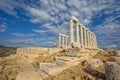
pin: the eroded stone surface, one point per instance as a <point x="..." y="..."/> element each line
<point x="93" y="62"/>
<point x="52" y="68"/>
<point x="112" y="71"/>
<point x="69" y="61"/>
<point x="117" y="53"/>
<point x="27" y="71"/>
<point x="114" y="58"/>
<point x="28" y="75"/>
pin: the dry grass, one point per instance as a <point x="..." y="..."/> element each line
<point x="9" y="70"/>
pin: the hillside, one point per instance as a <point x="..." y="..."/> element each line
<point x="6" y="51"/>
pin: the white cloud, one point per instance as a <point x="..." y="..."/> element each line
<point x="41" y="32"/>
<point x="53" y="16"/>
<point x="23" y="35"/>
<point x="19" y="42"/>
<point x="39" y="16"/>
<point x="3" y="27"/>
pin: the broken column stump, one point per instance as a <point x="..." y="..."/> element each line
<point x="112" y="71"/>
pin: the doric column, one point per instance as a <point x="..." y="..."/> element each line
<point x="62" y="40"/>
<point x="96" y="41"/>
<point x="66" y="40"/>
<point x="81" y="35"/>
<point x="84" y="37"/>
<point x="58" y="39"/>
<point x="91" y="40"/>
<point x="88" y="39"/>
<point x="71" y="31"/>
<point x="77" y="32"/>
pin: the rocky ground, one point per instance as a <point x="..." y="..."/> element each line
<point x="9" y="68"/>
<point x="81" y="72"/>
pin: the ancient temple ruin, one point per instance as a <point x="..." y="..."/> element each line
<point x="80" y="45"/>
<point x="83" y="37"/>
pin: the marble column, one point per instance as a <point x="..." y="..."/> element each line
<point x="71" y="31"/>
<point x="91" y="40"/>
<point x="84" y="37"/>
<point x="59" y="40"/>
<point x="62" y="40"/>
<point x="96" y="41"/>
<point x="88" y="39"/>
<point x="77" y="32"/>
<point x="66" y="40"/>
<point x="81" y="35"/>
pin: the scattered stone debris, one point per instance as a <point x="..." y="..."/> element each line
<point x="93" y="63"/>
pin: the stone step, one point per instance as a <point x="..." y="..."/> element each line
<point x="43" y="74"/>
<point x="69" y="61"/>
<point x="28" y="75"/>
<point x="52" y="68"/>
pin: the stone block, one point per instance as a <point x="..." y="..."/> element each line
<point x="93" y="63"/>
<point x="52" y="68"/>
<point x="28" y="75"/>
<point x="69" y="61"/>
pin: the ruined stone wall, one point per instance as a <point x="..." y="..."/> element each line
<point x="54" y="50"/>
<point x="31" y="54"/>
<point x="32" y="50"/>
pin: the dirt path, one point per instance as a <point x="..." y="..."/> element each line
<point x="27" y="71"/>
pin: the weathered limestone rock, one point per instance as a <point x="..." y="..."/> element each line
<point x="112" y="71"/>
<point x="117" y="53"/>
<point x="104" y="52"/>
<point x="32" y="53"/>
<point x="28" y="75"/>
<point x="76" y="45"/>
<point x="93" y="63"/>
<point x="114" y="58"/>
<point x="69" y="61"/>
<point x="73" y="52"/>
<point x="52" y="68"/>
<point x="1" y="67"/>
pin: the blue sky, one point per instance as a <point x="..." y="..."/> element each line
<point x="38" y="22"/>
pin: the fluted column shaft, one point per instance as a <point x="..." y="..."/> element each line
<point x="77" y="32"/>
<point x="85" y="42"/>
<point x="59" y="40"/>
<point x="62" y="40"/>
<point x="81" y="35"/>
<point x="71" y="31"/>
<point x="66" y="41"/>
